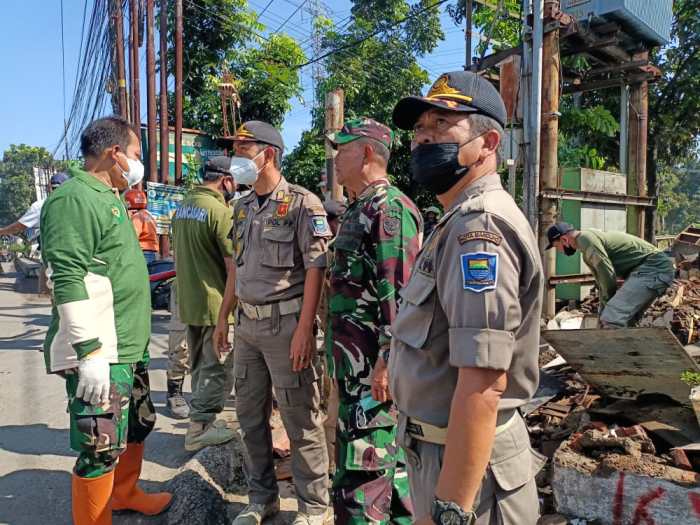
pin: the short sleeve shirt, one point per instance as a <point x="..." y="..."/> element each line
<point x="30" y="219"/>
<point x="276" y="242"/>
<point x="200" y="234"/>
<point x="473" y="300"/>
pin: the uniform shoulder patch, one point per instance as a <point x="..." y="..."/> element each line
<point x="493" y="238"/>
<point x="320" y="227"/>
<point x="316" y="209"/>
<point x="391" y="225"/>
<point x="479" y="271"/>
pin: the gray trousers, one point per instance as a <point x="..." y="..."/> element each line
<point x="178" y="355"/>
<point x="641" y="288"/>
<point x="508" y="493"/>
<point x="212" y="380"/>
<point x="262" y="362"/>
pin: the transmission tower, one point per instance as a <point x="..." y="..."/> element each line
<point x="316" y="9"/>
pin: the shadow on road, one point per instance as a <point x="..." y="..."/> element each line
<point x="35" y="496"/>
<point x="162" y="448"/>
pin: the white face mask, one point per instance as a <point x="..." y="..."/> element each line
<point x="134" y="175"/>
<point x="244" y="170"/>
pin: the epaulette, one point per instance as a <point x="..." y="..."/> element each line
<point x="475" y="203"/>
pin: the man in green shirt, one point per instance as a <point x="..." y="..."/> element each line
<point x="202" y="260"/>
<point x="101" y="324"/>
<point x="609" y="255"/>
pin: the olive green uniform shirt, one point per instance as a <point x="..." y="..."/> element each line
<point x="616" y="254"/>
<point x="200" y="232"/>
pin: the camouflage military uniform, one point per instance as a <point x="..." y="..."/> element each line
<point x="100" y="433"/>
<point x="374" y="251"/>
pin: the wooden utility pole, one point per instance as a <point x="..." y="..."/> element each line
<point x="468" y="36"/>
<point x="163" y="121"/>
<point x="335" y="102"/>
<point x="178" y="91"/>
<point x="134" y="64"/>
<point x="637" y="159"/>
<point x="121" y="72"/>
<point x="163" y="124"/>
<point x="151" y="90"/>
<point x="549" y="166"/>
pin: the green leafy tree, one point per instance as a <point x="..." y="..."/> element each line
<point x="225" y="36"/>
<point x="374" y="60"/>
<point x="17" y="179"/>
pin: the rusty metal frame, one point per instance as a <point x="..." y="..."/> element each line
<point x="598" y="197"/>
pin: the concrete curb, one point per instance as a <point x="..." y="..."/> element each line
<point x="201" y="485"/>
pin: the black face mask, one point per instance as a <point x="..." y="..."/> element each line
<point x="228" y="195"/>
<point x="568" y="250"/>
<point x="436" y="166"/>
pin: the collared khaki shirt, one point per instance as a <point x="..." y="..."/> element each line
<point x="473" y="300"/>
<point x="275" y="244"/>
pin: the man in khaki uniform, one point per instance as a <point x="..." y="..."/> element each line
<point x="203" y="258"/>
<point x="466" y="337"/>
<point x="280" y="235"/>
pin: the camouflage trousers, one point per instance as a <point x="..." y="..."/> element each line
<point x="371" y="481"/>
<point x="178" y="353"/>
<point x="100" y="433"/>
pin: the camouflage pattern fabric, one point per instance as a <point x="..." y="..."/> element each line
<point x="375" y="249"/>
<point x="100" y="433"/>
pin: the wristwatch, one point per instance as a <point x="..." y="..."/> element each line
<point x="384" y="353"/>
<point x="449" y="513"/>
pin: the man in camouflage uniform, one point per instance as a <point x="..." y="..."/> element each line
<point x="375" y="248"/>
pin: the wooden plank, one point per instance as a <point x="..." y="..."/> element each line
<point x="626" y="362"/>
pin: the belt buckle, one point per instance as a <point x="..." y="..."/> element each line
<point x="414" y="428"/>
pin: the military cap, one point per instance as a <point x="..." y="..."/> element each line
<point x="363" y="127"/>
<point x="459" y="91"/>
<point x="257" y="131"/>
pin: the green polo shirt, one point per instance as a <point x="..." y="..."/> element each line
<point x="97" y="275"/>
<point x="616" y="254"/>
<point x="201" y="226"/>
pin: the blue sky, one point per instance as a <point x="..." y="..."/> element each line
<point x="31" y="97"/>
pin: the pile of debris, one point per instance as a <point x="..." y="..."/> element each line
<point x="678" y="309"/>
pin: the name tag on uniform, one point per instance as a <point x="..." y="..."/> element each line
<point x="479" y="271"/>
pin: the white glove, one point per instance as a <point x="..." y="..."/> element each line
<point x="93" y="380"/>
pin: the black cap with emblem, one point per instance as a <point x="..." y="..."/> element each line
<point x="257" y="131"/>
<point x="217" y="167"/>
<point x="460" y="91"/>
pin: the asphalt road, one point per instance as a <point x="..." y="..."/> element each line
<point x="35" y="457"/>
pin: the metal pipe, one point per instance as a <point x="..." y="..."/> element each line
<point x="163" y="124"/>
<point x="178" y="91"/>
<point x="151" y="90"/>
<point x="121" y="73"/>
<point x="624" y="128"/>
<point x="536" y="110"/>
<point x="525" y="90"/>
<point x="134" y="65"/>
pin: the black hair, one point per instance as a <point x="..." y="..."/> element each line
<point x="104" y="133"/>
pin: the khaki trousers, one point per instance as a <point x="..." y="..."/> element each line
<point x="508" y="494"/>
<point x="261" y="362"/>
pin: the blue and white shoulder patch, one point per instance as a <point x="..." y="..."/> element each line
<point x="319" y="224"/>
<point x="479" y="271"/>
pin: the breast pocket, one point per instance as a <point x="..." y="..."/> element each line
<point x="278" y="247"/>
<point x="416" y="310"/>
<point x="348" y="246"/>
<point x="238" y="238"/>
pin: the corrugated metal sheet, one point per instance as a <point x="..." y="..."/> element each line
<point x="649" y="20"/>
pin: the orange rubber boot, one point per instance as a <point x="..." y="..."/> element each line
<point x="91" y="500"/>
<point x="126" y="494"/>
